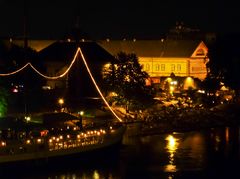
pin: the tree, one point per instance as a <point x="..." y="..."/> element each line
<point x="126" y="78"/>
<point x="3" y="101"/>
<point x="210" y="84"/>
<point x="224" y="61"/>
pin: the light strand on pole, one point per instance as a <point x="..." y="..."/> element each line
<point x="94" y="82"/>
<point x="45" y="76"/>
<point x="60" y="76"/>
<point x="14" y="72"/>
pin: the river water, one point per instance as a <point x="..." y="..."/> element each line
<point x="213" y="153"/>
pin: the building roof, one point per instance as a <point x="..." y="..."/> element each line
<point x="63" y="51"/>
<point x="152" y="48"/>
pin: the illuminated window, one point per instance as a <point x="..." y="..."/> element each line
<point x="200" y="52"/>
<point x="172" y="67"/>
<point x="147" y="67"/>
<point x="157" y="67"/>
<point x="162" y="67"/>
<point x="178" y="67"/>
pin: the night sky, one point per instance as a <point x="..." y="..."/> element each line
<point x="115" y="19"/>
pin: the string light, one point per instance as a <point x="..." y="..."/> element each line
<point x="44" y="76"/>
<point x="64" y="73"/>
<point x="60" y="76"/>
<point x="14" y="72"/>
<point x="98" y="89"/>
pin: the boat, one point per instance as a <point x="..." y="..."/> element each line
<point x="56" y="142"/>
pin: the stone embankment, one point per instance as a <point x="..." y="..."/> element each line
<point x="172" y="119"/>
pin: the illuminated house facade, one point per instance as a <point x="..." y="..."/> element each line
<point x="163" y="58"/>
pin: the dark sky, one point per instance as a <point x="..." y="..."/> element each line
<point x="115" y="18"/>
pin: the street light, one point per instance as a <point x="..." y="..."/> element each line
<point x="61" y="102"/>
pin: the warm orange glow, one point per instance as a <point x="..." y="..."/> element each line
<point x="107" y="65"/>
<point x="96" y="175"/>
<point x="171" y="88"/>
<point x="61" y="101"/>
<point x="3" y="143"/>
<point x="169" y="79"/>
<point x="172" y="146"/>
<point x="28" y="141"/>
<point x="188" y="83"/>
<point x="227" y="134"/>
<point x="172" y="143"/>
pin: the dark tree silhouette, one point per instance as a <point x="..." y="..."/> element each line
<point x="128" y="80"/>
<point x="224" y="61"/>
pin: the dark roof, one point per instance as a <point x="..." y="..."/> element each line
<point x="79" y="81"/>
<point x="62" y="51"/>
<point x="152" y="48"/>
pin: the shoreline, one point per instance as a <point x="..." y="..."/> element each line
<point x="186" y="120"/>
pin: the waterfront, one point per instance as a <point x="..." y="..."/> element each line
<point x="213" y="153"/>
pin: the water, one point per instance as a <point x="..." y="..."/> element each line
<point x="213" y="153"/>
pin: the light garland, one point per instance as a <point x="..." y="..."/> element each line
<point x="98" y="89"/>
<point x="14" y="72"/>
<point x="44" y="76"/>
<point x="64" y="73"/>
<point x="59" y="76"/>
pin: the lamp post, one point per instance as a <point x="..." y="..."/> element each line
<point x="61" y="102"/>
<point x="79" y="124"/>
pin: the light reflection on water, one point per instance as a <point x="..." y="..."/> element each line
<point x="171" y="148"/>
<point x="212" y="153"/>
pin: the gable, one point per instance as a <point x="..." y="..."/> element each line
<point x="201" y="51"/>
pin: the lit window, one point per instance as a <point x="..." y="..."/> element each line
<point x="147" y="67"/>
<point x="162" y="67"/>
<point x="172" y="67"/>
<point x="157" y="67"/>
<point x="178" y="67"/>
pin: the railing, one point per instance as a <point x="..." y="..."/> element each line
<point x="81" y="140"/>
<point x="55" y="142"/>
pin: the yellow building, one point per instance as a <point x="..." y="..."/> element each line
<point x="161" y="58"/>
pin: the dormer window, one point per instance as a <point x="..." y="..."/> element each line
<point x="200" y="52"/>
